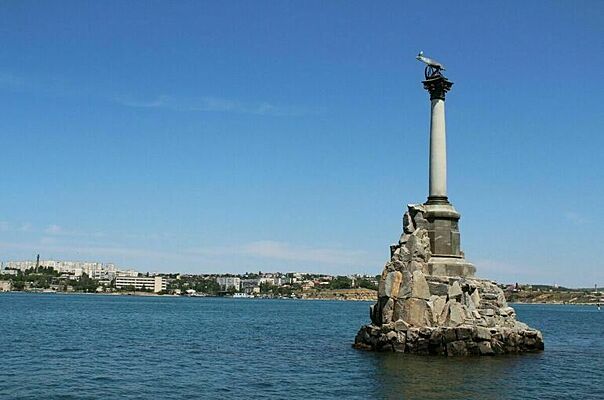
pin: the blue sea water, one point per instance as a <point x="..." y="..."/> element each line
<point x="108" y="347"/>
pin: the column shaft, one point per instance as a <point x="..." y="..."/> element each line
<point x="438" y="150"/>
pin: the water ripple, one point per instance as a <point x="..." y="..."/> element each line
<point x="98" y="347"/>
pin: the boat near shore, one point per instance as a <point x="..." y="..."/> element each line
<point x="243" y="296"/>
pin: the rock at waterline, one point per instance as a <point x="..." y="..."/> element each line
<point x="417" y="312"/>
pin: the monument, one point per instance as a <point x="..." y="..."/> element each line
<point x="429" y="300"/>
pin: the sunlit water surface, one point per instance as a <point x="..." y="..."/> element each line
<point x="105" y="347"/>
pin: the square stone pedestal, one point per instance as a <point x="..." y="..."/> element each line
<point x="443" y="231"/>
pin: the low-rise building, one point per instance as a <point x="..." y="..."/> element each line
<point x="155" y="283"/>
<point x="267" y="281"/>
<point x="9" y="272"/>
<point x="249" y="285"/>
<point x="228" y="282"/>
<point x="6" y="286"/>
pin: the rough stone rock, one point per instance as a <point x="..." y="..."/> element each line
<point x="399" y="344"/>
<point x="463" y="332"/>
<point x="419" y="245"/>
<point x="382" y="285"/>
<point x="405" y="286"/>
<point x="384" y="346"/>
<point x="413" y="243"/>
<point x="393" y="283"/>
<point x="507" y="311"/>
<point x="387" y="311"/>
<point x="408" y="225"/>
<point x="377" y="310"/>
<point x="418" y="212"/>
<point x="399" y="265"/>
<point x="455" y="291"/>
<point x="425" y="253"/>
<point x="373" y="330"/>
<point x="425" y="331"/>
<point x="487" y="312"/>
<point x="436" y="344"/>
<point x="438" y="288"/>
<point x="449" y="335"/>
<point x="438" y="305"/>
<point x="468" y="302"/>
<point x="391" y="336"/>
<point x="419" y="287"/>
<point x="436" y="336"/>
<point x="401" y="326"/>
<point x="481" y="333"/>
<point x="485" y="348"/>
<point x="465" y="340"/>
<point x="490" y="296"/>
<point x="457" y="314"/>
<point x="385" y="328"/>
<point x="437" y="278"/>
<point x="404" y="255"/>
<point x="457" y="348"/>
<point x="415" y="265"/>
<point x="422" y="346"/>
<point x="476" y="298"/>
<point x="395" y="250"/>
<point x="501" y="299"/>
<point x="412" y="334"/>
<point x="472" y="348"/>
<point x="420" y="221"/>
<point x="444" y="314"/>
<point x="416" y="312"/>
<point x="398" y="309"/>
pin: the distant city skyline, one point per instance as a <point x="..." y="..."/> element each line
<point x="210" y="137"/>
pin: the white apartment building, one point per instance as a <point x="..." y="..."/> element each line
<point x="227" y="282"/>
<point x="94" y="270"/>
<point x="157" y="283"/>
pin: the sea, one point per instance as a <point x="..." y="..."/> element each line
<point x="70" y="346"/>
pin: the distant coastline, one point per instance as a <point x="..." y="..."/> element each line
<point x="368" y="295"/>
<point x="336" y="294"/>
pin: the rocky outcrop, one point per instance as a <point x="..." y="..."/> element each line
<point x="459" y="341"/>
<point x="359" y="294"/>
<point x="421" y="313"/>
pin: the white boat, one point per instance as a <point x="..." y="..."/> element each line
<point x="243" y="296"/>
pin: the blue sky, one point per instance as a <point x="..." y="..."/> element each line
<point x="280" y="135"/>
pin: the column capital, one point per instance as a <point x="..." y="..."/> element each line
<point x="437" y="86"/>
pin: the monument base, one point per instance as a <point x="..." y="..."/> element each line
<point x="459" y="341"/>
<point x="432" y="304"/>
<point x="442" y="224"/>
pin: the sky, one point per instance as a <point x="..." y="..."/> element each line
<point x="233" y="136"/>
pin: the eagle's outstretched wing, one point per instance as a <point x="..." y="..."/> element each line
<point x="429" y="61"/>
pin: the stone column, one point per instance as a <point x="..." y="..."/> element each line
<point x="442" y="218"/>
<point x="438" y="87"/>
<point x="438" y="151"/>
